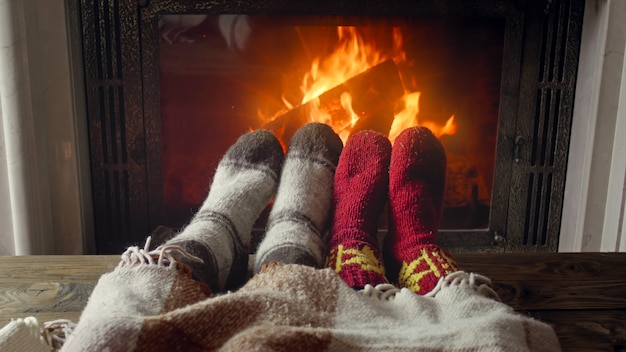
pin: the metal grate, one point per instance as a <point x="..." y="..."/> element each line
<point x="113" y="170"/>
<point x="547" y="128"/>
<point x="111" y="126"/>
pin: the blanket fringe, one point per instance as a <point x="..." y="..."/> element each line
<point x="33" y="327"/>
<point x="56" y="332"/>
<point x="480" y="284"/>
<point x="162" y="256"/>
<point x="382" y="292"/>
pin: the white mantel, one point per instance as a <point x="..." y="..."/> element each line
<point x="595" y="198"/>
<point x="45" y="133"/>
<point x="45" y="204"/>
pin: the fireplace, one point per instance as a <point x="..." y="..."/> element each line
<point x="163" y="75"/>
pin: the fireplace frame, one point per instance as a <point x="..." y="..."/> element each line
<point x="120" y="49"/>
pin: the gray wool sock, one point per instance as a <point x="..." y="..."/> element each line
<point x="300" y="213"/>
<point x="245" y="180"/>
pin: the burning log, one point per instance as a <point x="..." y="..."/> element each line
<point x="372" y="95"/>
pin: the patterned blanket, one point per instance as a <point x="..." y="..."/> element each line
<point x="152" y="304"/>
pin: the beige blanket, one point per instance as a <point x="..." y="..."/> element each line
<point x="154" y="305"/>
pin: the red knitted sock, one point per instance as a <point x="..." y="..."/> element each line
<point x="360" y="194"/>
<point x="417" y="176"/>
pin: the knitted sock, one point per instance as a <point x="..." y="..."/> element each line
<point x="360" y="195"/>
<point x="245" y="180"/>
<point x="416" y="187"/>
<point x="300" y="213"/>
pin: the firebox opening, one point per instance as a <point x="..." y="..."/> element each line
<point x="223" y="75"/>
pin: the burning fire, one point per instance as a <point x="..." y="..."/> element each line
<point x="351" y="57"/>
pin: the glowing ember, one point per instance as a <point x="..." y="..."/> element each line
<point x="352" y="56"/>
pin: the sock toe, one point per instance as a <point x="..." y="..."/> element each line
<point x="317" y="139"/>
<point x="258" y="147"/>
<point x="418" y="154"/>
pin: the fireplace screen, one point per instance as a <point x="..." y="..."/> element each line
<point x="172" y="84"/>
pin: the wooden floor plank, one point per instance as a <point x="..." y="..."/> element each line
<point x="546" y="266"/>
<point x="44" y="297"/>
<point x="587" y="330"/>
<point x="62" y="268"/>
<point x="562" y="294"/>
<point x="49" y="287"/>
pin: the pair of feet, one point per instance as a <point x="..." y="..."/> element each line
<point x="252" y="172"/>
<point x="409" y="178"/>
<point x="314" y="185"/>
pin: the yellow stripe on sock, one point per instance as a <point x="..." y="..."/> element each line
<point x="364" y="258"/>
<point x="410" y="276"/>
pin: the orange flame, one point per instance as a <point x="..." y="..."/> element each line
<point x="352" y="56"/>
